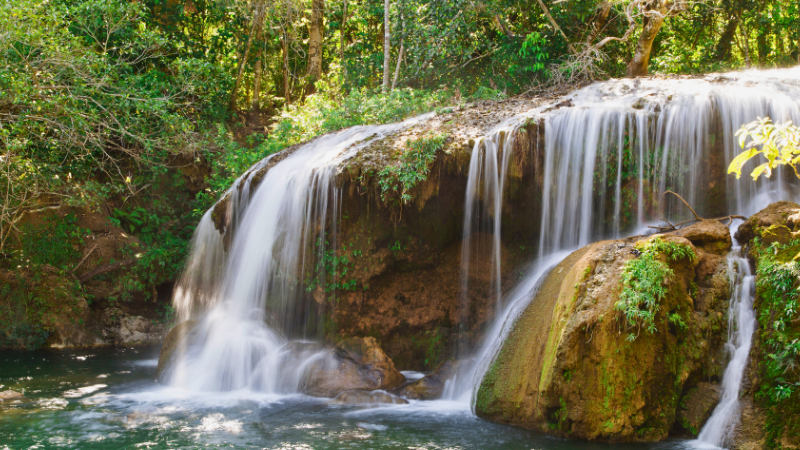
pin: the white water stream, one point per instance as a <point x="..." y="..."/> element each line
<point x="279" y="233"/>
<point x="609" y="155"/>
<point x="742" y="324"/>
<point x="644" y="136"/>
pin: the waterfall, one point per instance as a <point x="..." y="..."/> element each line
<point x="613" y="148"/>
<point x="741" y="326"/>
<point x="247" y="292"/>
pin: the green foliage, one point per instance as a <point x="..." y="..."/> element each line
<point x="413" y="168"/>
<point x="54" y="242"/>
<point x="644" y="282"/>
<point x="332" y="269"/>
<point x="780" y="144"/>
<point x="779" y="291"/>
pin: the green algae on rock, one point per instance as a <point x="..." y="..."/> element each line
<point x="567" y="367"/>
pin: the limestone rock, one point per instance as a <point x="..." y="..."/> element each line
<point x="333" y="370"/>
<point x="569" y="367"/>
<point x="710" y="235"/>
<point x="369" y="353"/>
<point x="697" y="406"/>
<point x="779" y="213"/>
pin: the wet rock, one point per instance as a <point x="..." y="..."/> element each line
<point x="11" y="395"/>
<point x="332" y="370"/>
<point x="778" y="213"/>
<point x="368" y="398"/>
<point x="174" y="344"/>
<point x="121" y="329"/>
<point x="697" y="406"/>
<point x="572" y="367"/>
<point x="710" y="235"/>
<point x="431" y="386"/>
<point x="367" y="351"/>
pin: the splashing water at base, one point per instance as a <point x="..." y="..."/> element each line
<point x="281" y="231"/>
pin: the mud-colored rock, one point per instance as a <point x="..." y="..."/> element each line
<point x="777" y="213"/>
<point x="368" y="398"/>
<point x="571" y="366"/>
<point x="697" y="406"/>
<point x="10" y="395"/>
<point x="174" y="345"/>
<point x="369" y="353"/>
<point x="709" y="235"/>
<point x="333" y="370"/>
<point x="431" y="386"/>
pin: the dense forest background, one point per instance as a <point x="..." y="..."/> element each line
<point x="107" y="103"/>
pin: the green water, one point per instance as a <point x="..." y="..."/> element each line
<point x="108" y="399"/>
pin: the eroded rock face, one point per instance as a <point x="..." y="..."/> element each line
<point x="121" y="329"/>
<point x="775" y="223"/>
<point x="569" y="366"/>
<point x="697" y="406"/>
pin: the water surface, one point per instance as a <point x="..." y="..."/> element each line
<point x="108" y="399"/>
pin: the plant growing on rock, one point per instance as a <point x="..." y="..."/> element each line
<point x="413" y="166"/>
<point x="644" y="283"/>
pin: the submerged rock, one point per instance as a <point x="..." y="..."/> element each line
<point x="11" y="395"/>
<point x="368" y="398"/>
<point x="431" y="386"/>
<point x="571" y="366"/>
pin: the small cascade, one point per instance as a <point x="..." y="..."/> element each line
<point x="614" y="148"/>
<point x="488" y="170"/>
<point x="741" y="326"/>
<point x="247" y="291"/>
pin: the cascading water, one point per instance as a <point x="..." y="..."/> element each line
<point x="614" y="150"/>
<point x="280" y="219"/>
<point x="741" y="326"/>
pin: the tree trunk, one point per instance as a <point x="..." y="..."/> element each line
<point x="257" y="72"/>
<point x="724" y="47"/>
<point x="342" y="40"/>
<point x="400" y="55"/>
<point x="763" y="44"/>
<point x="287" y="89"/>
<point x="641" y="57"/>
<point x="256" y="26"/>
<point x="315" y="29"/>
<point x="387" y="46"/>
<point x="746" y="45"/>
<point x="555" y="25"/>
<point x="599" y="22"/>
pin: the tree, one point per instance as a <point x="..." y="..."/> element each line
<point x="315" y="36"/>
<point x="780" y="144"/>
<point x="387" y="46"/>
<point x="653" y="12"/>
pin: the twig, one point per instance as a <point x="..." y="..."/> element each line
<point x="91" y="250"/>
<point x="685" y="203"/>
<point x="106" y="268"/>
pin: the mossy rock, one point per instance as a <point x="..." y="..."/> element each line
<point x="569" y="367"/>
